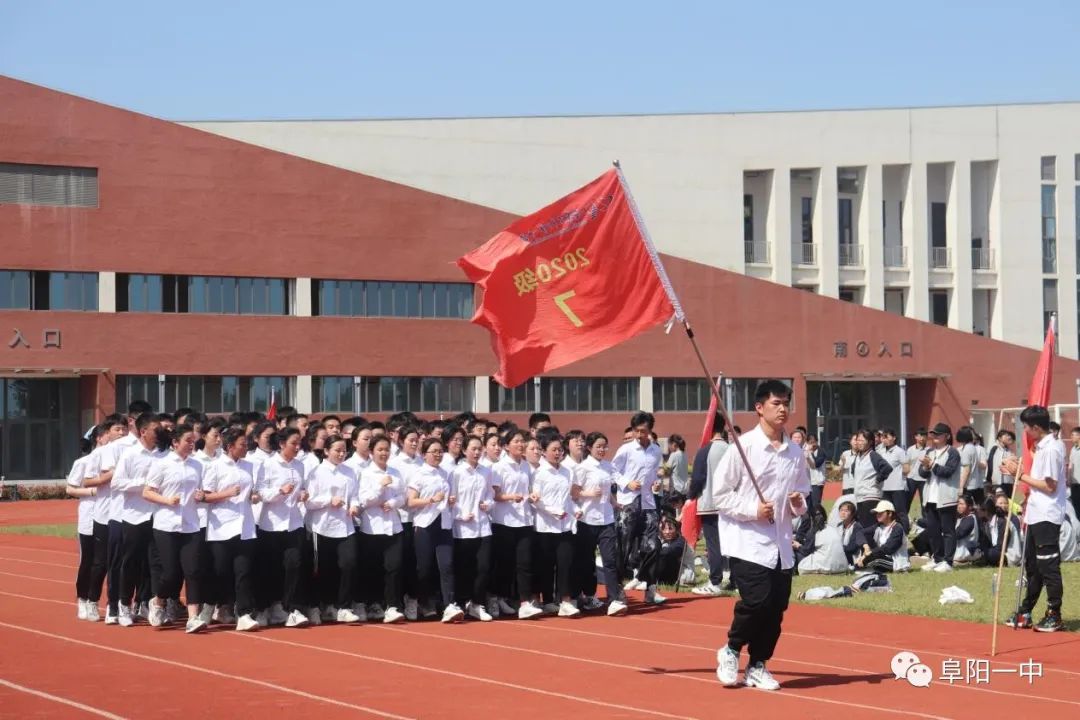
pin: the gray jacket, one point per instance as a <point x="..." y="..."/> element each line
<point x="706" y="502"/>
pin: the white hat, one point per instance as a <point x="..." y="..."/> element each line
<point x="884" y="506"/>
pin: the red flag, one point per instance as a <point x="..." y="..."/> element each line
<point x="567" y="282"/>
<point x="1039" y="393"/>
<point x="710" y="415"/>
<point x="691" y="522"/>
<point x="271" y="414"/>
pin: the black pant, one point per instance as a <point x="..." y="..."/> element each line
<point x="763" y="598"/>
<point x="135" y="573"/>
<point x="639" y="536"/>
<point x="587" y="540"/>
<point x="211" y="584"/>
<point x="307" y="591"/>
<point x="864" y="514"/>
<point x="434" y="547"/>
<point x="336" y="565"/>
<point x="710" y="528"/>
<point x="514" y="548"/>
<point x="816" y="493"/>
<point x="279" y="565"/>
<point x="915" y="486"/>
<point x="556" y="559"/>
<point x="409" y="575"/>
<point x="115" y="563"/>
<point x="1042" y="566"/>
<point x="234" y="566"/>
<point x="472" y="568"/>
<point x="100" y="565"/>
<point x="899" y="499"/>
<point x="941" y="531"/>
<point x="383" y="556"/>
<point x="1074" y="497"/>
<point x="86" y="567"/>
<point x="181" y="556"/>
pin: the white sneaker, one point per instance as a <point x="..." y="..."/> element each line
<point x="80" y="609"/>
<point x="506" y="608"/>
<point x="263" y="618"/>
<point x="634" y="584"/>
<point x="296" y="619"/>
<point x="727" y="666"/>
<point x="375" y="613"/>
<point x="195" y="624"/>
<point x="493" y="607"/>
<point x="392" y="616"/>
<point x="568" y="609"/>
<point x="410" y="609"/>
<point x="550" y="608"/>
<point x="617" y="607"/>
<point x="708" y="589"/>
<point x="528" y="611"/>
<point x="278" y="616"/>
<point x="224" y="615"/>
<point x="452" y="614"/>
<point x="206" y="613"/>
<point x="144" y="612"/>
<point x="478" y="612"/>
<point x="654" y="598"/>
<point x="929" y="567"/>
<point x="345" y="615"/>
<point x="92" y="613"/>
<point x="943" y="567"/>
<point x="111" y="619"/>
<point x="173" y="610"/>
<point x="757" y="676"/>
<point x="246" y="623"/>
<point x="157" y="616"/>
<point x="313" y="615"/>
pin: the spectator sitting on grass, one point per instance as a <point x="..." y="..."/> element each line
<point x="998" y="510"/>
<point x="804" y="542"/>
<point x="967" y="532"/>
<point x="851" y="533"/>
<point x="889" y="552"/>
<point x="672" y="552"/>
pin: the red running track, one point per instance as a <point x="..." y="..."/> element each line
<point x="653" y="663"/>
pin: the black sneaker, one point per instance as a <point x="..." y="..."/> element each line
<point x="1019" y="620"/>
<point x="1051" y="622"/>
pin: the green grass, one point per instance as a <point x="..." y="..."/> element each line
<point x="64" y="530"/>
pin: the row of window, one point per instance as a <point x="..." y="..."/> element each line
<point x="48" y="185"/>
<point x="346" y="394"/>
<point x="42" y="290"/>
<point x="379" y="298"/>
<point x="201" y="294"/>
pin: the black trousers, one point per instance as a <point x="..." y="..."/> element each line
<point x="409" y="575"/>
<point x="211" y="584"/>
<point x="115" y="563"/>
<point x="915" y="486"/>
<point x="556" y="566"/>
<point x="941" y="531"/>
<point x="181" y="557"/>
<point x="1074" y="497"/>
<point x="816" y="493"/>
<point x="472" y="568"/>
<point x="900" y="501"/>
<point x="383" y="556"/>
<point x="336" y="567"/>
<point x="1042" y="566"/>
<point x="587" y="540"/>
<point x="99" y="567"/>
<point x="763" y="597"/>
<point x="514" y="550"/>
<point x="86" y="567"/>
<point x="307" y="590"/>
<point x="710" y="528"/>
<point x="434" y="548"/>
<point x="140" y="578"/>
<point x="864" y="514"/>
<point x="234" y="572"/>
<point x="279" y="565"/>
<point x="639" y="538"/>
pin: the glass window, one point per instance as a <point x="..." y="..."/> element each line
<point x="130" y="388"/>
<point x="144" y="293"/>
<point x="743" y="390"/>
<point x="334" y="394"/>
<point x="807" y="220"/>
<point x="14" y="290"/>
<point x="519" y="399"/>
<point x="680" y="394"/>
<point x="588" y="394"/>
<point x="73" y="291"/>
<point x="381" y="298"/>
<point x="48" y="185"/>
<point x="395" y="394"/>
<point x="245" y="296"/>
<point x="1048" y="168"/>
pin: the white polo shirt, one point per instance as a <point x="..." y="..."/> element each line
<point x="371" y="496"/>
<point x="326" y="482"/>
<point x="280" y="512"/>
<point x="596" y="475"/>
<point x="173" y="475"/>
<point x="1049" y="462"/>
<point x="358" y="464"/>
<point x="512" y="478"/>
<point x="914" y="457"/>
<point x="128" y="481"/>
<point x="75" y="478"/>
<point x="896" y="457"/>
<point x="429" y="481"/>
<point x="406" y="467"/>
<point x="635" y="462"/>
<point x="969" y="458"/>
<point x="472" y="486"/>
<point x="779" y="472"/>
<point x="1074" y="466"/>
<point x="553" y="486"/>
<point x="206" y="460"/>
<point x="234" y="516"/>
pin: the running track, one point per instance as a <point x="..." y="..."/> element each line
<point x="654" y="663"/>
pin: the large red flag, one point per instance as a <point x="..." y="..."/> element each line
<point x="1039" y="393"/>
<point x="568" y="281"/>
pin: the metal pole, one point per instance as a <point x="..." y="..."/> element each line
<point x="903" y="411"/>
<point x="536" y="394"/>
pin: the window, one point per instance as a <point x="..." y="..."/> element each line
<point x="1049" y="229"/>
<point x="15" y="290"/>
<point x="73" y="291"/>
<point x="748" y="218"/>
<point x="894" y="302"/>
<point x="201" y="294"/>
<point x="1050" y="302"/>
<point x="48" y="185"/>
<point x="938" y="225"/>
<point x="743" y="390"/>
<point x="380" y="298"/>
<point x="44" y="290"/>
<point x="1048" y="168"/>
<point x="519" y="399"/>
<point x="939" y="307"/>
<point x="849" y="294"/>
<point x="681" y="394"/>
<point x="210" y="394"/>
<point x="589" y="394"/>
<point x="418" y="394"/>
<point x="334" y="394"/>
<point x="807" y="220"/>
<point x="845" y="227"/>
<point x="130" y="388"/>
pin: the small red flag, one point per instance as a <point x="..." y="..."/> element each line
<point x="710" y="415"/>
<point x="567" y="282"/>
<point x="1039" y="393"/>
<point x="271" y="414"/>
<point x="691" y="522"/>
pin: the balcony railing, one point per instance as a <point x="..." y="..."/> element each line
<point x="850" y="255"/>
<point x="982" y="259"/>
<point x="895" y="256"/>
<point x="1049" y="255"/>
<point x="756" y="253"/>
<point x="940" y="258"/>
<point x="804" y="253"/>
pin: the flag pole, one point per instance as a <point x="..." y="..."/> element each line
<point x="681" y="317"/>
<point x="1001" y="567"/>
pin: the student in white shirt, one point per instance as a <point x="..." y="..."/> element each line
<point x="596" y="528"/>
<point x="638" y="464"/>
<point x="332" y="504"/>
<point x="382" y="541"/>
<point x="453" y="439"/>
<point x="847" y="480"/>
<point x="556" y="515"/>
<point x="87" y="584"/>
<point x="207" y="450"/>
<point x="533" y="455"/>
<point x="313" y="447"/>
<point x="431" y="500"/>
<point x="573" y="450"/>
<point x="915" y="482"/>
<point x="471" y="483"/>
<point x="513" y="531"/>
<point x="405" y="457"/>
<point x="941" y="469"/>
<point x="281" y="489"/>
<point x="1043" y="514"/>
<point x="174" y="484"/>
<point x="895" y="487"/>
<point x="1074" y="470"/>
<point x="868" y="471"/>
<point x="971" y="479"/>
<point x="492" y="450"/>
<point x="756" y="534"/>
<point x="1002" y="451"/>
<point x="228" y="484"/>
<point x="360" y="458"/>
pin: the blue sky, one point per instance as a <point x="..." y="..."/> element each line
<point x="335" y="59"/>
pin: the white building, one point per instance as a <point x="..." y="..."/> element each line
<point x="962" y="216"/>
